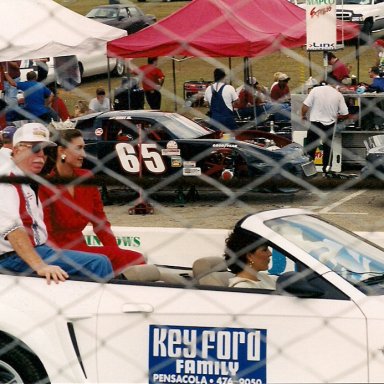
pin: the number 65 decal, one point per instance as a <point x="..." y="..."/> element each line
<point x="151" y="158"/>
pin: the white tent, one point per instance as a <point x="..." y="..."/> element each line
<point x="44" y="28"/>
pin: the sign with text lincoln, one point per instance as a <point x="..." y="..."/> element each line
<point x="321" y="25"/>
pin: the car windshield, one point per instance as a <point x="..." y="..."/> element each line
<point x="347" y="254"/>
<point x="103" y="13"/>
<point x="182" y="127"/>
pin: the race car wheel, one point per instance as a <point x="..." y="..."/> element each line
<point x="17" y="365"/>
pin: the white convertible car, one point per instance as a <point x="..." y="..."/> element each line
<point x="182" y="324"/>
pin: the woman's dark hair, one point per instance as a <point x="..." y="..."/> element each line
<point x="61" y="137"/>
<point x="239" y="243"/>
<point x="65" y="136"/>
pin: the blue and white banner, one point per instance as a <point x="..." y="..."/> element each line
<point x="206" y="355"/>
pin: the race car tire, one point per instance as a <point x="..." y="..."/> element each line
<point x="18" y="365"/>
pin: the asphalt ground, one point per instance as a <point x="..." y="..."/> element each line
<point x="355" y="208"/>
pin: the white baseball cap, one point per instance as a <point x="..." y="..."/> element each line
<point x="33" y="133"/>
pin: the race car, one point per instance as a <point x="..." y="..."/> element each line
<point x="154" y="144"/>
<point x="324" y="322"/>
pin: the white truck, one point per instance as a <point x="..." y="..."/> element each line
<point x="368" y="13"/>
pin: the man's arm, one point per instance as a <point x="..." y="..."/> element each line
<point x="23" y="247"/>
<point x="9" y="79"/>
<point x="304" y="111"/>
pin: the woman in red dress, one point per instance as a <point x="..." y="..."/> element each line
<point x="69" y="208"/>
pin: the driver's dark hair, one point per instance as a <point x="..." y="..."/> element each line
<point x="239" y="243"/>
<point x="218" y="74"/>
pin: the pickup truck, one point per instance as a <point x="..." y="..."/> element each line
<point x="368" y="13"/>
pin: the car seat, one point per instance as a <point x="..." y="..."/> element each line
<point x="211" y="270"/>
<point x="151" y="273"/>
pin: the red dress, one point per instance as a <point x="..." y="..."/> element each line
<point x="66" y="217"/>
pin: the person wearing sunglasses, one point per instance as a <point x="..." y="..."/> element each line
<point x="23" y="234"/>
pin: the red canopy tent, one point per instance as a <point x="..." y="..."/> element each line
<point x="223" y="28"/>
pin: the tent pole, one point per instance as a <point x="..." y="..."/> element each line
<point x="109" y="83"/>
<point x="174" y="81"/>
<point x="310" y="63"/>
<point x="357" y="48"/>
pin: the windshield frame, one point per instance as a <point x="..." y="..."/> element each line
<point x="349" y="255"/>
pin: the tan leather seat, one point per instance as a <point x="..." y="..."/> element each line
<point x="152" y="273"/>
<point x="211" y="270"/>
<point x="145" y="272"/>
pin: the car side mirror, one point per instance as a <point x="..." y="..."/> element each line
<point x="298" y="284"/>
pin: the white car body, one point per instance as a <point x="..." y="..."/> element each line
<point x="328" y="328"/>
<point x="368" y="13"/>
<point x="90" y="65"/>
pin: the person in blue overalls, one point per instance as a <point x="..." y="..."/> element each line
<point x="220" y="97"/>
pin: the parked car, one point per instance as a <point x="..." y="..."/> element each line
<point x="322" y="324"/>
<point x="124" y="16"/>
<point x="369" y="14"/>
<point x="156" y="144"/>
<point x="89" y="65"/>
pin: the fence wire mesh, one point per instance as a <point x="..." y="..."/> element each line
<point x="173" y="188"/>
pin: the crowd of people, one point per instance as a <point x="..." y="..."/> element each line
<point x="34" y="240"/>
<point x="37" y="99"/>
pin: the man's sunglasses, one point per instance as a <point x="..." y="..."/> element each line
<point x="36" y="148"/>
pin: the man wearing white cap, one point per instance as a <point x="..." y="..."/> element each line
<point x="22" y="230"/>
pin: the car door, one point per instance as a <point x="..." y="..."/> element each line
<point x="162" y="334"/>
<point x="379" y="15"/>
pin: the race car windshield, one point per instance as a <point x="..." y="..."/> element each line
<point x="182" y="127"/>
<point x="347" y="254"/>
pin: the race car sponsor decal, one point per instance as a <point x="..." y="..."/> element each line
<point x="176" y="161"/>
<point x="225" y="145"/>
<point x="189" y="164"/>
<point x="98" y="131"/>
<point x="191" y="171"/>
<point x="206" y="355"/>
<point x="130" y="160"/>
<point x="171" y="149"/>
<point x="170" y="152"/>
<point x="172" y="144"/>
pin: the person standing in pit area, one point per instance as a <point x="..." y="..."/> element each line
<point x="339" y="73"/>
<point x="221" y="98"/>
<point x="378" y="45"/>
<point x="6" y="149"/>
<point x="152" y="78"/>
<point x="326" y="106"/>
<point x="12" y="68"/>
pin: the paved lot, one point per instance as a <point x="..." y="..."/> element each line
<point x="355" y="209"/>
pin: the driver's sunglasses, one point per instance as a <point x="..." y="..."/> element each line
<point x="36" y="148"/>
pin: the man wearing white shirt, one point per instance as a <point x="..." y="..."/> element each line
<point x="23" y="234"/>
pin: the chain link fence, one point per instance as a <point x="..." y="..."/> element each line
<point x="174" y="188"/>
